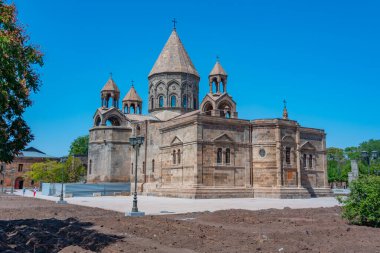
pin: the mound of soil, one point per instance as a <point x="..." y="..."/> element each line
<point x="50" y="235"/>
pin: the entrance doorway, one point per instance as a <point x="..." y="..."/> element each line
<point x="19" y="183"/>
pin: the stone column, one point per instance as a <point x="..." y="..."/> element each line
<point x="298" y="155"/>
<point x="278" y="156"/>
<point x="324" y="162"/>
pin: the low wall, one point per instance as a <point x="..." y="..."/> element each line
<point x="86" y="190"/>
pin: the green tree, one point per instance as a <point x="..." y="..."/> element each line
<point x="52" y="171"/>
<point x="79" y="146"/>
<point x="18" y="77"/>
<point x="362" y="206"/>
<point x="49" y="172"/>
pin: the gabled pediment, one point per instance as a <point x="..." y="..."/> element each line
<point x="176" y="141"/>
<point x="307" y="146"/>
<point x="223" y="138"/>
<point x="288" y="138"/>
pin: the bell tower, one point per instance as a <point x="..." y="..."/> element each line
<point x="110" y="93"/>
<point x="218" y="78"/>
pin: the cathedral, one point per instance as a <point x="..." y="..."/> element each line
<point x="201" y="148"/>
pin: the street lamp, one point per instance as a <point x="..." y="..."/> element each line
<point x="12" y="179"/>
<point x="136" y="142"/>
<point x="2" y="172"/>
<point x="61" y="201"/>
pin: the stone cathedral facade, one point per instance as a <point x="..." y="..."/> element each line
<point x="200" y="148"/>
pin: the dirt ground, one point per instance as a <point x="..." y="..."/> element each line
<point x="34" y="225"/>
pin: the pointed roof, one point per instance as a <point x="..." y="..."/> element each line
<point x="218" y="70"/>
<point x="132" y="95"/>
<point x="173" y="58"/>
<point x="111" y="86"/>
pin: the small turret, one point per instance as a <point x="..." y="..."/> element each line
<point x="218" y="76"/>
<point x="110" y="91"/>
<point x="285" y="111"/>
<point x="132" y="102"/>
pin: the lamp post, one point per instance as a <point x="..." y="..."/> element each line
<point x="12" y="179"/>
<point x="2" y="172"/>
<point x="61" y="201"/>
<point x="136" y="143"/>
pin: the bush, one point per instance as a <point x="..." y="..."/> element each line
<point x="362" y="206"/>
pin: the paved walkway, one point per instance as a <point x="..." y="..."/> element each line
<point x="161" y="205"/>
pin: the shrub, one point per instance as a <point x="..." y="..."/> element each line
<point x="362" y="206"/>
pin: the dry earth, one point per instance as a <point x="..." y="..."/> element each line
<point x="34" y="225"/>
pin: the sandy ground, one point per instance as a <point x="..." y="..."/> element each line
<point x="44" y="226"/>
<point x="160" y="205"/>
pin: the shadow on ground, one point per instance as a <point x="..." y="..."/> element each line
<point x="50" y="235"/>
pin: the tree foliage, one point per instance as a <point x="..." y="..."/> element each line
<point x="79" y="146"/>
<point x="70" y="171"/>
<point x="339" y="164"/>
<point x="18" y="77"/>
<point x="362" y="207"/>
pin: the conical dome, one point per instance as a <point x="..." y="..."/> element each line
<point x="132" y="95"/>
<point x="111" y="86"/>
<point x="173" y="58"/>
<point x="218" y="70"/>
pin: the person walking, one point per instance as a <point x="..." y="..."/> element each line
<point x="34" y="191"/>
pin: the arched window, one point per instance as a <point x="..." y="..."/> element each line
<point x="208" y="108"/>
<point x="151" y="103"/>
<point x="179" y="156"/>
<point x="310" y="161"/>
<point x="161" y="101"/>
<point x="113" y="121"/>
<point x="228" y="114"/>
<point x="98" y="121"/>
<point x="219" y="156"/>
<point x="228" y="156"/>
<point x="173" y="101"/>
<point x="138" y="130"/>
<point x="195" y="103"/>
<point x="287" y="155"/>
<point x="125" y="109"/>
<point x="132" y="109"/>
<point x="153" y="165"/>
<point x="184" y="101"/>
<point x="304" y="161"/>
<point x="174" y="157"/>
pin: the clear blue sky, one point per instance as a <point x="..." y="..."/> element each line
<point x="322" y="56"/>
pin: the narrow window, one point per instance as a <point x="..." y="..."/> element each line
<point x="219" y="156"/>
<point x="143" y="168"/>
<point x="173" y="101"/>
<point x="151" y="103"/>
<point x="195" y="103"/>
<point x="228" y="114"/>
<point x="20" y="166"/>
<point x="228" y="156"/>
<point x="153" y="165"/>
<point x="310" y="161"/>
<point x="161" y="101"/>
<point x="287" y="155"/>
<point x="184" y="101"/>
<point x="90" y="168"/>
<point x="304" y="160"/>
<point x="132" y="168"/>
<point x="179" y="156"/>
<point x="32" y="182"/>
<point x="174" y="157"/>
